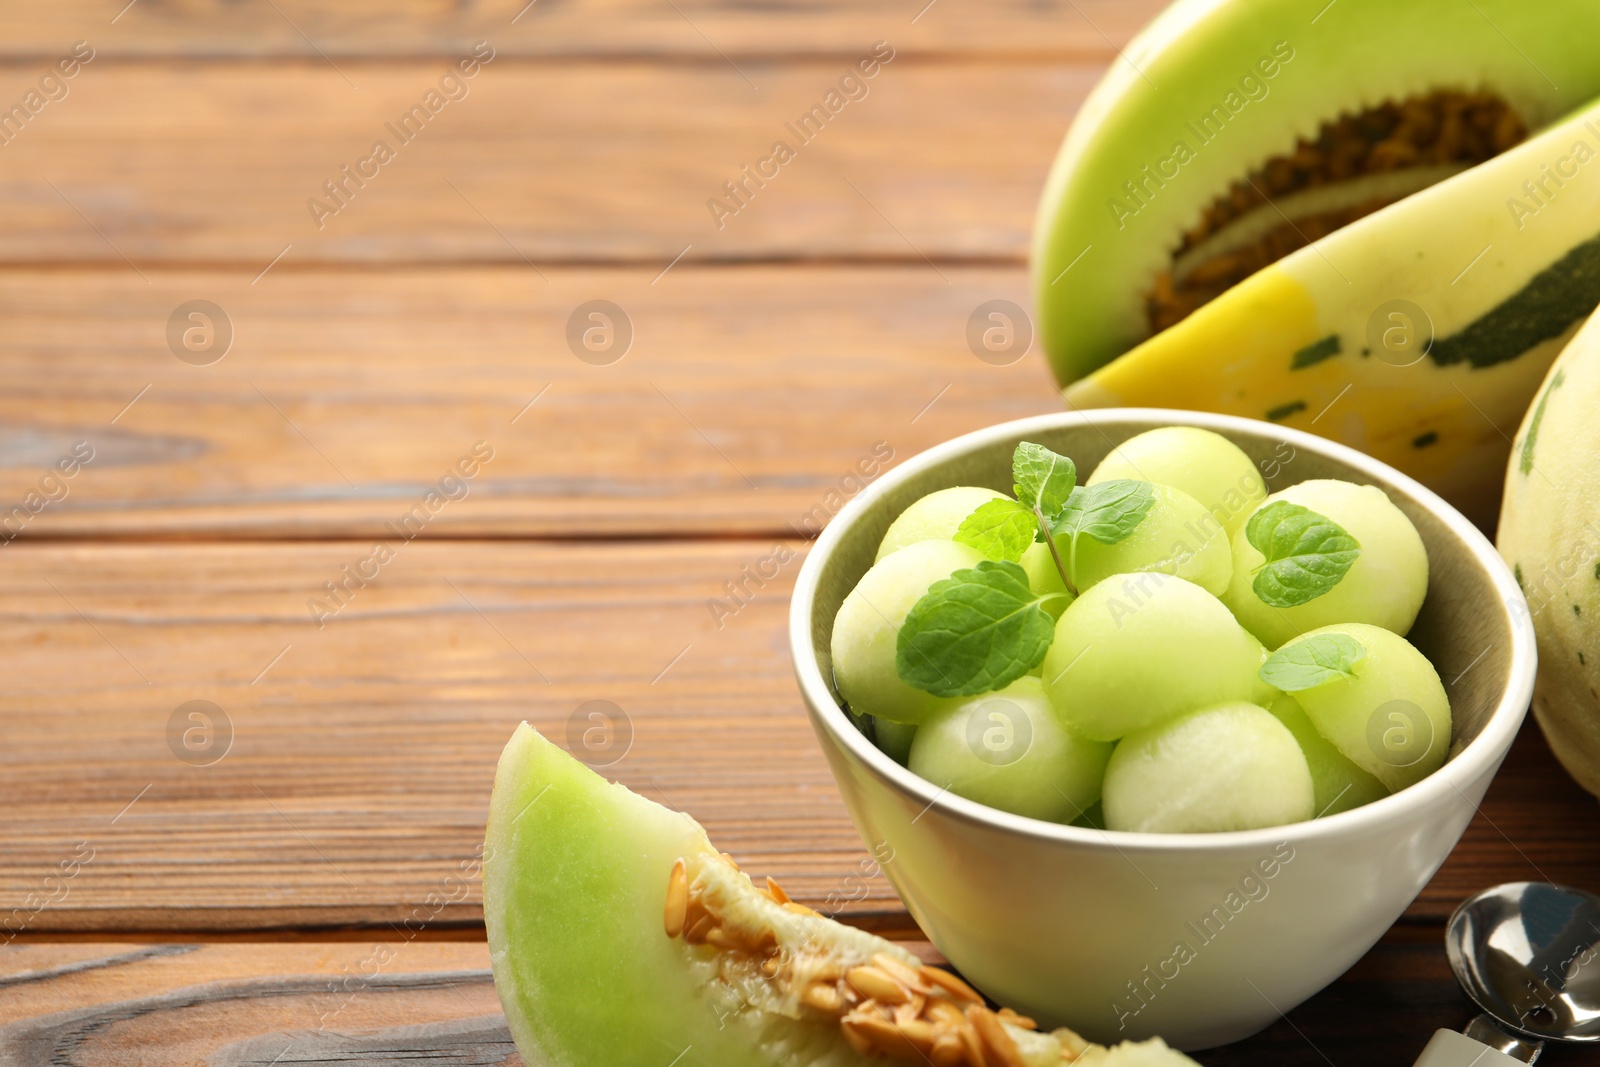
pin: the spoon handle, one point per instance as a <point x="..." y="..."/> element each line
<point x="1451" y="1049"/>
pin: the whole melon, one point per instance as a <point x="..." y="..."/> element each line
<point x="1550" y="534"/>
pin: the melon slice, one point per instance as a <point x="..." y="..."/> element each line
<point x="620" y="937"/>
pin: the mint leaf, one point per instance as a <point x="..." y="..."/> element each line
<point x="1106" y="511"/>
<point x="979" y="629"/>
<point x="1044" y="480"/>
<point x="1312" y="661"/>
<point x="1000" y="529"/>
<point x="1307" y="554"/>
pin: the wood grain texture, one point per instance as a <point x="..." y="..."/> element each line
<point x="259" y="1004"/>
<point x="748" y="395"/>
<point x="771" y="353"/>
<point x="358" y="778"/>
<point x="250" y="1004"/>
<point x="697" y="29"/>
<point x="150" y="164"/>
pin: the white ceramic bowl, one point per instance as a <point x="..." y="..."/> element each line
<point x="1200" y="938"/>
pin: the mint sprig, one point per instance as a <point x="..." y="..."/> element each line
<point x="1313" y="661"/>
<point x="1106" y="511"/>
<point x="983" y="628"/>
<point x="976" y="631"/>
<point x="1001" y="529"/>
<point x="1307" y="554"/>
<point x="1043" y="479"/>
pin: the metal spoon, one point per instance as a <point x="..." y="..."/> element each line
<point x="1528" y="953"/>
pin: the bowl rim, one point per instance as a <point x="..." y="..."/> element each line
<point x="1480" y="755"/>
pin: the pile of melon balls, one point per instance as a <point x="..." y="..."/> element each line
<point x="1152" y="710"/>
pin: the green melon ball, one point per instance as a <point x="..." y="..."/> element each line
<point x="1207" y="466"/>
<point x="1176" y="536"/>
<point x="1384" y="587"/>
<point x="1044" y="577"/>
<point x="936" y="517"/>
<point x="1393" y="718"/>
<point x="1139" y="648"/>
<point x="1339" y="784"/>
<point x="868" y="625"/>
<point x="894" y="739"/>
<point x="1094" y="818"/>
<point x="1263" y="692"/>
<point x="1008" y="750"/>
<point x="1229" y="767"/>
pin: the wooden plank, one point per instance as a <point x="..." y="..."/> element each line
<point x="696" y="29"/>
<point x="1535" y="825"/>
<point x="235" y="1004"/>
<point x="748" y="396"/>
<point x="358" y="777"/>
<point x="250" y="1004"/>
<point x="357" y="781"/>
<point x="151" y="164"/>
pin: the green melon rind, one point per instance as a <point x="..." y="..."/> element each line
<point x="1550" y="534"/>
<point x="1530" y="434"/>
<point x="1091" y="275"/>
<point x="1497" y="273"/>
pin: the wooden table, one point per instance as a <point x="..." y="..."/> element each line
<point x="189" y="889"/>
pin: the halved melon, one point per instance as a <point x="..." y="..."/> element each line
<point x="1331" y="215"/>
<point x="621" y="938"/>
<point x="1225" y="122"/>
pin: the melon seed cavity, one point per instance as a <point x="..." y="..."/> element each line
<point x="882" y="1006"/>
<point x="1355" y="165"/>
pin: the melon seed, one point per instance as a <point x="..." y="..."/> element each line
<point x="877" y="984"/>
<point x="998" y="1046"/>
<point x="677" y="899"/>
<point x="1431" y="129"/>
<point x="885" y="1007"/>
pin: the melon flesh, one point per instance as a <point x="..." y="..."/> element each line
<point x="575" y="889"/>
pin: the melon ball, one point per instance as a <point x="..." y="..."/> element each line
<point x="936" y="517"/>
<point x="1384" y="587"/>
<point x="1008" y="750"/>
<point x="1228" y="767"/>
<point x="1338" y="783"/>
<point x="1176" y="536"/>
<point x="1263" y="691"/>
<point x="894" y="739"/>
<point x="1094" y="818"/>
<point x="1138" y="648"/>
<point x="1044" y="577"/>
<point x="1393" y="718"/>
<point x="1206" y="465"/>
<point x="867" y="627"/>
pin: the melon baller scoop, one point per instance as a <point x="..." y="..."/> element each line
<point x="1528" y="954"/>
